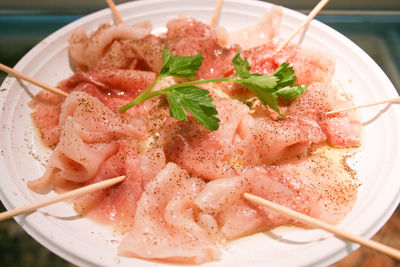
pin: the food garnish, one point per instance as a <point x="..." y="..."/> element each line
<point x="185" y="96"/>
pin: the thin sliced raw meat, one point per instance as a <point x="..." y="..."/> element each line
<point x="73" y="159"/>
<point x="264" y="32"/>
<point x="114" y="88"/>
<point x="148" y="52"/>
<point x="117" y="206"/>
<point x="262" y="140"/>
<point x="204" y="153"/>
<point x="86" y="53"/>
<point x="112" y="83"/>
<point x="164" y="225"/>
<point x="89" y="131"/>
<point x="99" y="124"/>
<point x="310" y="65"/>
<point x="294" y="184"/>
<point x="235" y="216"/>
<point x="325" y="182"/>
<point x="47" y="106"/>
<point x="241" y="140"/>
<point x="189" y="37"/>
<point x="342" y="129"/>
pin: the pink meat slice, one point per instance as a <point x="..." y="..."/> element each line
<point x="263" y="140"/>
<point x="116" y="206"/>
<point x="89" y="131"/>
<point x="189" y="37"/>
<point x="324" y="183"/>
<point x="235" y="216"/>
<point x="46" y="109"/>
<point x="99" y="123"/>
<point x="294" y="184"/>
<point x="112" y="83"/>
<point x="264" y="32"/>
<point x="341" y="129"/>
<point x="201" y="152"/>
<point x="164" y="226"/>
<point x="114" y="88"/>
<point x="89" y="53"/>
<point x="310" y="65"/>
<point x="147" y="52"/>
<point x="73" y="159"/>
<point x="241" y="138"/>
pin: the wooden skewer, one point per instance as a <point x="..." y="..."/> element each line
<point x="323" y="225"/>
<point x="31" y="80"/>
<point x="216" y="13"/>
<point x="61" y="197"/>
<point x="310" y="17"/>
<point x="114" y="10"/>
<point x="389" y="101"/>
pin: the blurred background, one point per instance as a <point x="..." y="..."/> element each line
<point x="372" y="25"/>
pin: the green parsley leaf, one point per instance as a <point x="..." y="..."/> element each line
<point x="265" y="94"/>
<point x="285" y="74"/>
<point x="290" y="92"/>
<point x="182" y="67"/>
<point x="282" y="83"/>
<point x="196" y="101"/>
<point x="242" y="67"/>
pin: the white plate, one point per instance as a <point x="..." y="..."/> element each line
<point x="86" y="243"/>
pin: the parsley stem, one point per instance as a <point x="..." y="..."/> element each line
<point x="185" y="84"/>
<point x="142" y="96"/>
<point x="145" y="95"/>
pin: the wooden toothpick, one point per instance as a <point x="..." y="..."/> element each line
<point x="323" y="225"/>
<point x="389" y="101"/>
<point x="216" y="13"/>
<point x="25" y="77"/>
<point x="61" y="197"/>
<point x="310" y="17"/>
<point x="114" y="10"/>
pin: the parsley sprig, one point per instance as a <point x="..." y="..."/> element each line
<point x="185" y="96"/>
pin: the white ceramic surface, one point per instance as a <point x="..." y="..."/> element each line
<point x="86" y="243"/>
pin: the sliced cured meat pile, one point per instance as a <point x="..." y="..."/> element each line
<point x="184" y="184"/>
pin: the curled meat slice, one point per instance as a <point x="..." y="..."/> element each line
<point x="294" y="184"/>
<point x="262" y="140"/>
<point x="46" y="109"/>
<point x="99" y="124"/>
<point x="114" y="88"/>
<point x="111" y="83"/>
<point x="341" y="129"/>
<point x="117" y="205"/>
<point x="310" y="65"/>
<point x="86" y="53"/>
<point x="164" y="226"/>
<point x="235" y="216"/>
<point x="241" y="140"/>
<point x="89" y="131"/>
<point x="204" y="153"/>
<point x="147" y="51"/>
<point x="73" y="159"/>
<point x="189" y="37"/>
<point x="264" y="32"/>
